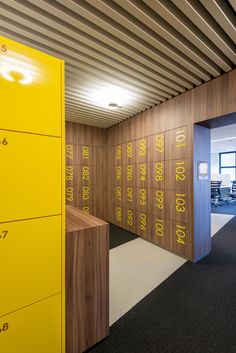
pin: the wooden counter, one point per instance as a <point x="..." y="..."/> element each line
<point x="87" y="280"/>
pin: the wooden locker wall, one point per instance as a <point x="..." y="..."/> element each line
<point x="86" y="168"/>
<point x="150" y="166"/>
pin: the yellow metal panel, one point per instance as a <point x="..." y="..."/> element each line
<point x="30" y="86"/>
<point x="30" y="254"/>
<point x="34" y="329"/>
<point x="63" y="201"/>
<point x="30" y="175"/>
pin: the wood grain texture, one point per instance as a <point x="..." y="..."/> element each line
<point x="86" y="168"/>
<point x="171" y="124"/>
<point x="87" y="277"/>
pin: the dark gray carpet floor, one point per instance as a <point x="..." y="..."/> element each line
<point x="119" y="236"/>
<point x="192" y="311"/>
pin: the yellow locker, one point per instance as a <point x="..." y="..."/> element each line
<point x="31" y="89"/>
<point x="34" y="329"/>
<point x="30" y="175"/>
<point x="30" y="254"/>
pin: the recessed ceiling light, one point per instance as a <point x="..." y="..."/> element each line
<point x="110" y="97"/>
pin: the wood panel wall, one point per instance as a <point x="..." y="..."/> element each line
<point x="150" y="166"/>
<point x="86" y="171"/>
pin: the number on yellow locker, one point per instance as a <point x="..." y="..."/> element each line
<point x="34" y="272"/>
<point x="32" y="176"/>
<point x="35" y="328"/>
<point x="34" y="79"/>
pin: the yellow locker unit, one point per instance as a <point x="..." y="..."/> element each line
<point x="32" y="217"/>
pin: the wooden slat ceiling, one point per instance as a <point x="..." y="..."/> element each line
<point x="153" y="50"/>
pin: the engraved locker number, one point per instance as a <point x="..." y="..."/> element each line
<point x="180" y="203"/>
<point x="143" y="221"/>
<point x="142" y="147"/>
<point x="69" y="194"/>
<point x="129" y="194"/>
<point x="180" y="170"/>
<point x="143" y="197"/>
<point x="118" y="193"/>
<point x="129" y="172"/>
<point x="143" y="172"/>
<point x="159" y="171"/>
<point x="160" y="199"/>
<point x="118" y="152"/>
<point x="180" y="138"/>
<point x="85" y="193"/>
<point x="4" y="327"/>
<point x="85" y="173"/>
<point x="118" y="173"/>
<point x="3" y="234"/>
<point x="129" y="150"/>
<point x="180" y="234"/>
<point x="85" y="152"/>
<point x="118" y="214"/>
<point x="159" y="227"/>
<point x="129" y="218"/>
<point x="86" y="209"/>
<point x="69" y="173"/>
<point x="69" y="151"/>
<point x="159" y="143"/>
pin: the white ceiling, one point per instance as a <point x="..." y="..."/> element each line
<point x="223" y="139"/>
<point x="152" y="49"/>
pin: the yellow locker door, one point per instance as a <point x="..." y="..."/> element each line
<point x="30" y="259"/>
<point x="31" y="89"/>
<point x="30" y="175"/>
<point x="34" y="329"/>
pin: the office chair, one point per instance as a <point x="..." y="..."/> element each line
<point x="232" y="194"/>
<point x="215" y="192"/>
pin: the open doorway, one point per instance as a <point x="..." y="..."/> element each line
<point x="223" y="169"/>
<point x="223" y="175"/>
